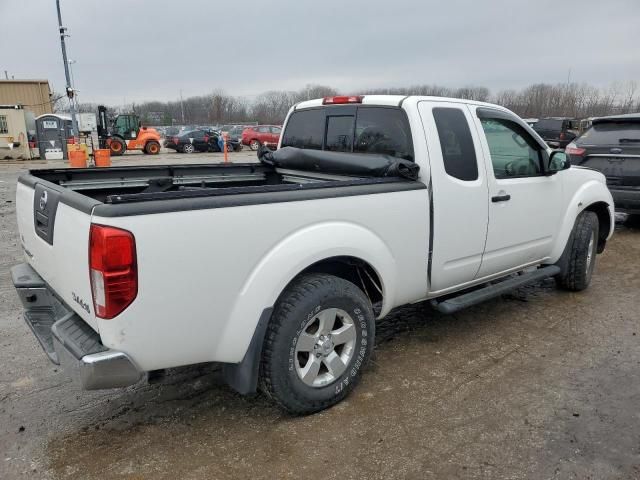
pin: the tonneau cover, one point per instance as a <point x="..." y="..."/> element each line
<point x="339" y="163"/>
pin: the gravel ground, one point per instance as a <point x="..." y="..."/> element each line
<point x="538" y="384"/>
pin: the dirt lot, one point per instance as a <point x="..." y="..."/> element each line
<point x="539" y="384"/>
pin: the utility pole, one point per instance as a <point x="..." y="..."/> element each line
<point x="70" y="91"/>
<point x="182" y="106"/>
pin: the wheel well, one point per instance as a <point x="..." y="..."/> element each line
<point x="601" y="209"/>
<point x="353" y="270"/>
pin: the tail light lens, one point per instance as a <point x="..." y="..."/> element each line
<point x="113" y="267"/>
<point x="175" y="140"/>
<point x="573" y="150"/>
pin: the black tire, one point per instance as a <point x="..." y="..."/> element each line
<point x="152" y="148"/>
<point x="579" y="257"/>
<point x="188" y="148"/>
<point x="117" y="147"/>
<point x="254" y="145"/>
<point x="309" y="296"/>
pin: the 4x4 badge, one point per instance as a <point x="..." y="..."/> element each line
<point x="43" y="200"/>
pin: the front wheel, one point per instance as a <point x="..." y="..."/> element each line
<point x="188" y="148"/>
<point x="320" y="337"/>
<point x="117" y="147"/>
<point x="579" y="258"/>
<point x="254" y="145"/>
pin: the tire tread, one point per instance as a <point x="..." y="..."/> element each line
<point x="298" y="292"/>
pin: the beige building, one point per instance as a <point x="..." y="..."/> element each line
<point x="34" y="95"/>
<point x="14" y="142"/>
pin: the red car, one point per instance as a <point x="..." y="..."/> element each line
<point x="261" y="135"/>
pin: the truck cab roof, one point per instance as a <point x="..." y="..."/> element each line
<point x="394" y="101"/>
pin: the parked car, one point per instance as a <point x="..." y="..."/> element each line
<point x="234" y="131"/>
<point x="612" y="146"/>
<point x="371" y="203"/>
<point x="261" y="135"/>
<point x="198" y="141"/>
<point x="557" y="132"/>
<point x="171" y="131"/>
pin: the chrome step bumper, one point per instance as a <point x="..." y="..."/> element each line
<point x="68" y="340"/>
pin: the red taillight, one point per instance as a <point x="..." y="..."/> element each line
<point x="113" y="269"/>
<point x="175" y="140"/>
<point x="342" y="99"/>
<point x="562" y="136"/>
<point x="575" y="151"/>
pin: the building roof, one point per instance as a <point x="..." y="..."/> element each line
<point x="26" y="80"/>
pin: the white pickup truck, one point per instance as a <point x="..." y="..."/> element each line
<point x="278" y="269"/>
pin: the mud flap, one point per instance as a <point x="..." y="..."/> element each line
<point x="243" y="376"/>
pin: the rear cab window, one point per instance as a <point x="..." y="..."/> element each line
<point x="549" y="124"/>
<point x="361" y="129"/>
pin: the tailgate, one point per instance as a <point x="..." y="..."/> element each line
<point x="620" y="170"/>
<point x="54" y="227"/>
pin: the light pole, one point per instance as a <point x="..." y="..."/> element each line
<point x="70" y="91"/>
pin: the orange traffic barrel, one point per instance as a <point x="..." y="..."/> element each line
<point x="77" y="159"/>
<point x="102" y="157"/>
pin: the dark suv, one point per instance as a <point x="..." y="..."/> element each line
<point x="557" y="132"/>
<point x="612" y="146"/>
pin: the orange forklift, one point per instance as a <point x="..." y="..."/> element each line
<point x="126" y="133"/>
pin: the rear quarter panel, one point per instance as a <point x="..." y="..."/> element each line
<point x="205" y="276"/>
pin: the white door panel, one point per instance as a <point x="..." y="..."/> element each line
<point x="460" y="207"/>
<point x="524" y="211"/>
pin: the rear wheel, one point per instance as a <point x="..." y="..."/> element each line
<point x="254" y="145"/>
<point x="188" y="148"/>
<point x="117" y="147"/>
<point x="579" y="258"/>
<point x="152" y="148"/>
<point x="320" y="337"/>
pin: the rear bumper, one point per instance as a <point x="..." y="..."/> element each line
<point x="67" y="339"/>
<point x="626" y="200"/>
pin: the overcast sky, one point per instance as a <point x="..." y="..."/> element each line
<point x="142" y="50"/>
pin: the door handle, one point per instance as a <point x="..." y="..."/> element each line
<point x="501" y="198"/>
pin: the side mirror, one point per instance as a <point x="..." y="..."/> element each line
<point x="558" y="160"/>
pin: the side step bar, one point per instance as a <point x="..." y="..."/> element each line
<point x="474" y="297"/>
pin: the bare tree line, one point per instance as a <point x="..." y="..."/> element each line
<point x="539" y="100"/>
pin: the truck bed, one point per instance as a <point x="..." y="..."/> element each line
<point x="125" y="187"/>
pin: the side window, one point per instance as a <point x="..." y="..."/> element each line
<point x="339" y="136"/>
<point x="458" y="152"/>
<point x="263" y="129"/>
<point x="276" y="130"/>
<point x="304" y="129"/>
<point x="514" y="153"/>
<point x="383" y="131"/>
